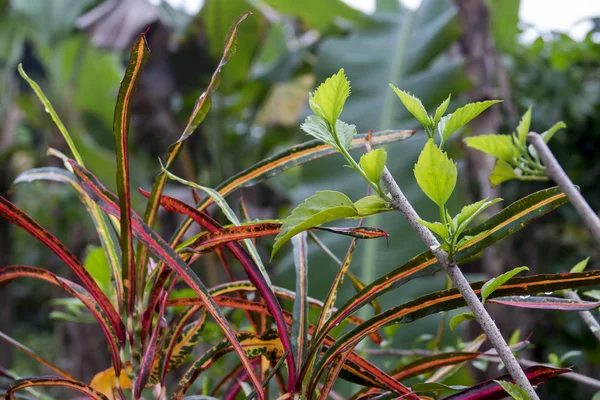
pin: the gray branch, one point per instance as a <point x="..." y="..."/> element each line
<point x="400" y="203"/>
<point x="555" y="172"/>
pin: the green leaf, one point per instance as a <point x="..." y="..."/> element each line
<point x="523" y="127"/>
<point x="317" y="128"/>
<point x="463" y="116"/>
<point x="413" y="105"/>
<point x="502" y="172"/>
<point x="436" y="227"/>
<point x="370" y="205"/>
<point x="499" y="146"/>
<point x="460" y="318"/>
<point x="513" y="390"/>
<point x="345" y="133"/>
<point x="490" y="286"/>
<point x="436" y="173"/>
<point x="436" y="387"/>
<point x="372" y="163"/>
<point x="439" y="112"/>
<point x="594" y="294"/>
<point x="329" y="98"/>
<point x="581" y="265"/>
<point x="97" y="265"/>
<point x="324" y="206"/>
<point x="470" y="212"/>
<point x="547" y="135"/>
<point x="514" y="338"/>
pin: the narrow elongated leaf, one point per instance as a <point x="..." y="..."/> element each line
<point x="329" y="98"/>
<point x="100" y="222"/>
<point x="490" y="286"/>
<point x="53" y="381"/>
<point x="509" y="220"/>
<point x="436" y="173"/>
<point x="463" y="116"/>
<point x="547" y="303"/>
<point x="581" y="265"/>
<point x="50" y="110"/>
<point x="19" y="218"/>
<point x="200" y="110"/>
<point x="513" y="390"/>
<point x="267" y="345"/>
<point x="547" y="135"/>
<point x="91" y="303"/>
<point x="441" y="374"/>
<point x="284" y="160"/>
<point x="209" y="240"/>
<point x="220" y="201"/>
<point x="491" y="390"/>
<point x="165" y="253"/>
<point x="451" y="299"/>
<point x="179" y="342"/>
<point x="413" y="105"/>
<point x="248" y="264"/>
<point x="300" y="325"/>
<point x="32" y="354"/>
<point x="139" y="55"/>
<point x="320" y="208"/>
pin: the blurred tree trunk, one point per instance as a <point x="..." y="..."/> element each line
<point x="486" y="73"/>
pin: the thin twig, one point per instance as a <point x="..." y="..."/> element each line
<point x="400" y="203"/>
<point x="587" y="316"/>
<point x="574" y="376"/>
<point x="555" y="172"/>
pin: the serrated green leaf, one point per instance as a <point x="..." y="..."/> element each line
<point x="490" y="286"/>
<point x="581" y="265"/>
<point x="502" y="172"/>
<point x="372" y="163"/>
<point x="523" y="127"/>
<point x="513" y="390"/>
<point x="463" y="116"/>
<point x="329" y="98"/>
<point x="470" y="212"/>
<point x="345" y="133"/>
<point x="317" y="128"/>
<point x="436" y="174"/>
<point x="413" y="105"/>
<point x="460" y="318"/>
<point x="370" y="205"/>
<point x="439" y="112"/>
<point x="437" y="227"/>
<point x="547" y="135"/>
<point x="499" y="146"/>
<point x="324" y="206"/>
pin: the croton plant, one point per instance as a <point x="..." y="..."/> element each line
<point x="281" y="353"/>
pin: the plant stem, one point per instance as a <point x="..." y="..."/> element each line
<point x="587" y="316"/>
<point x="400" y="203"/>
<point x="555" y="172"/>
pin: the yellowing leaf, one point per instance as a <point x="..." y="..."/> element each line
<point x="105" y="381"/>
<point x="436" y="173"/>
<point x="499" y="146"/>
<point x="329" y="98"/>
<point x="370" y="205"/>
<point x="463" y="116"/>
<point x="372" y="163"/>
<point x="413" y="105"/>
<point x="322" y="207"/>
<point x="523" y="127"/>
<point x="502" y="172"/>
